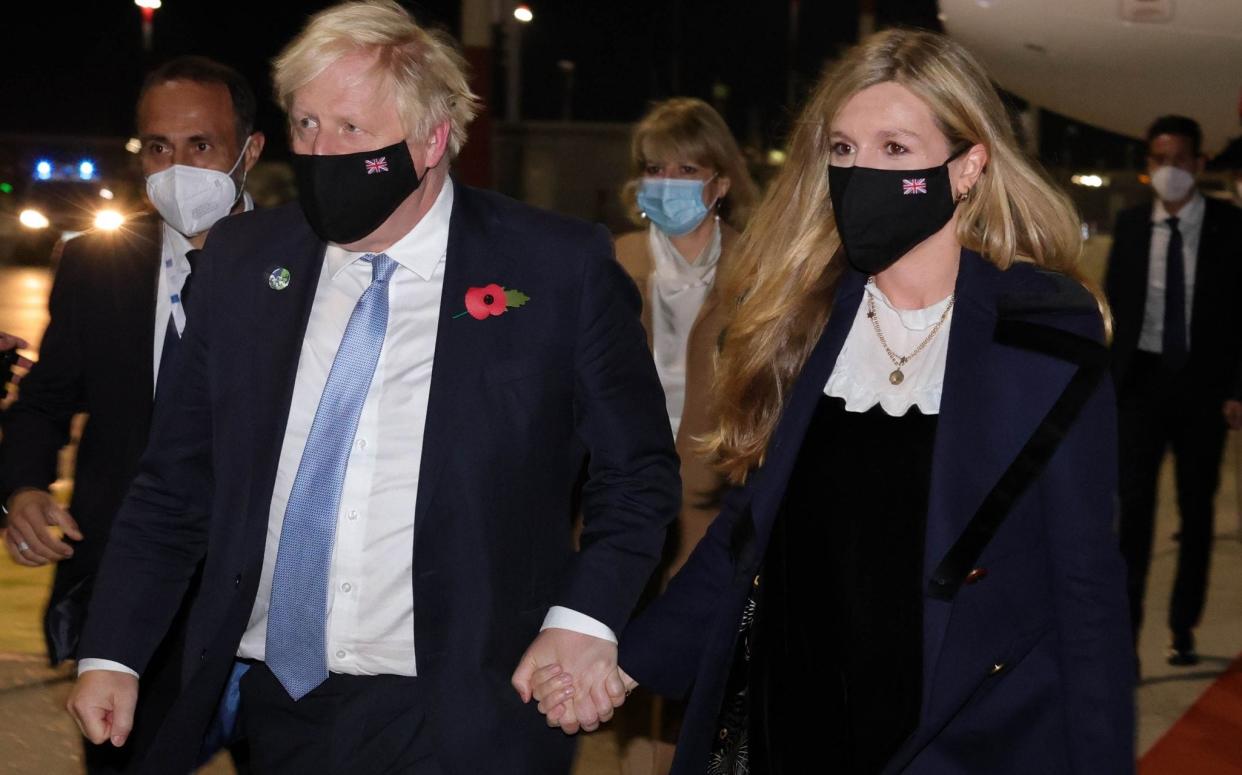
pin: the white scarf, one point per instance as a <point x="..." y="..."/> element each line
<point x="677" y="291"/>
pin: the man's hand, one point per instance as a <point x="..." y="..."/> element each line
<point x="1233" y="414"/>
<point x="27" y="537"/>
<point x="102" y="703"/>
<point x="8" y="342"/>
<point x="592" y="679"/>
<point x="554" y="690"/>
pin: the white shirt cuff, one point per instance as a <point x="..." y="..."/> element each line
<point x="568" y="619"/>
<point x="85" y="665"/>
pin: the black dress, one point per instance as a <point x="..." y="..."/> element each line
<point x="828" y="667"/>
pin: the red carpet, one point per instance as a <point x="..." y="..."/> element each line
<point x="1208" y="739"/>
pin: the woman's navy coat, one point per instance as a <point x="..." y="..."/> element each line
<point x="1027" y="657"/>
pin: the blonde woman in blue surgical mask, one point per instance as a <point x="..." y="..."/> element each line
<point x="690" y="190"/>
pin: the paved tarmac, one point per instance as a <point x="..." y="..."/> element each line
<point x="36" y="736"/>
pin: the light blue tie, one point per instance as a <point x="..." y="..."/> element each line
<point x="296" y="618"/>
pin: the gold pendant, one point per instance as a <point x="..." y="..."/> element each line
<point x="896" y="377"/>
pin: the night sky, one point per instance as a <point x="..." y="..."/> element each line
<point x="74" y="68"/>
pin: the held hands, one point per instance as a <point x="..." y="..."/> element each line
<point x="554" y="690"/>
<point x="27" y="537"/>
<point x="574" y="677"/>
<point x="102" y="703"/>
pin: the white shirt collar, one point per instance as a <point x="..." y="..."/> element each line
<point x="177" y="244"/>
<point x="419" y="251"/>
<point x="1189" y="216"/>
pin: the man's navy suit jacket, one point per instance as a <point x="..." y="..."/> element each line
<point x="1028" y="666"/>
<point x="96" y="358"/>
<point x="1216" y="314"/>
<point x="519" y="403"/>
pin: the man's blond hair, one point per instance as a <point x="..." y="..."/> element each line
<point x="427" y="73"/>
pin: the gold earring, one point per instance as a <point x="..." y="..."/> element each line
<point x="962" y="197"/>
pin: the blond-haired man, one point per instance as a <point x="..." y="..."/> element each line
<point x="374" y="439"/>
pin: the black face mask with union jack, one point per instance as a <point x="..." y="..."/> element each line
<point x="882" y="214"/>
<point x="347" y="196"/>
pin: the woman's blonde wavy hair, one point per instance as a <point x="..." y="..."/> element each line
<point x="686" y="128"/>
<point x="787" y="262"/>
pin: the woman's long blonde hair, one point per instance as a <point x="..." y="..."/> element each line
<point x="686" y="128"/>
<point x="786" y="267"/>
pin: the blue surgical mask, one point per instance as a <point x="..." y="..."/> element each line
<point x="675" y="206"/>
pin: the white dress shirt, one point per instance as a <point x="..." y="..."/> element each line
<point x="174" y="269"/>
<point x="677" y="291"/>
<point x="861" y="374"/>
<point x="370" y="622"/>
<point x="1190" y="224"/>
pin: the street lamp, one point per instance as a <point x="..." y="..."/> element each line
<point x="148" y="19"/>
<point x="522" y="15"/>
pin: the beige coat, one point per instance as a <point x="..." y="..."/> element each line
<point x="700" y="485"/>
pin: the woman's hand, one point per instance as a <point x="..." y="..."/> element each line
<point x="554" y="689"/>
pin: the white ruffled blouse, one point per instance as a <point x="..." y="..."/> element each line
<point x="861" y="375"/>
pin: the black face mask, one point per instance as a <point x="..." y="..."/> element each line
<point x="347" y="196"/>
<point x="882" y="214"/>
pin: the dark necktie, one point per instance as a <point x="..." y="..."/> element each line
<point x="192" y="257"/>
<point x="1174" y="345"/>
<point x="172" y="340"/>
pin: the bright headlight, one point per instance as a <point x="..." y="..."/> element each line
<point x="108" y="220"/>
<point x="33" y="219"/>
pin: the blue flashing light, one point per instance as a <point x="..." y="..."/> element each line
<point x="43" y="170"/>
<point x="86" y="170"/>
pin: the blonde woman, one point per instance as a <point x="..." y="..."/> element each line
<point x="690" y="187"/>
<point x="916" y="571"/>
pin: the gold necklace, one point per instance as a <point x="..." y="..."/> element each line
<point x="897" y="376"/>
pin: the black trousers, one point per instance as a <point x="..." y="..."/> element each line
<point x="349" y="725"/>
<point x="1158" y="409"/>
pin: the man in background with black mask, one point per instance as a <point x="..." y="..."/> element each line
<point x="118" y="309"/>
<point x="1174" y="281"/>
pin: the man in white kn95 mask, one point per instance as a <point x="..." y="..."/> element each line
<point x="117" y="312"/>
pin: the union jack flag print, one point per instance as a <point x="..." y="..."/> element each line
<point x="377" y="165"/>
<point x="914" y="186"/>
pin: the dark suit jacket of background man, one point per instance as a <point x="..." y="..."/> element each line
<point x="517" y="401"/>
<point x="96" y="357"/>
<point x="1216" y="313"/>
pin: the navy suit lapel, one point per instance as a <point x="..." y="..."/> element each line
<point x="476" y="256"/>
<point x="1210" y="262"/>
<point x="134" y="292"/>
<point x="280" y="323"/>
<point x="1138" y="274"/>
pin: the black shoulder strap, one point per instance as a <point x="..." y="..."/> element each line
<point x="1092" y="360"/>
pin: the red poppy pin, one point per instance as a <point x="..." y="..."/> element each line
<point x="491" y="300"/>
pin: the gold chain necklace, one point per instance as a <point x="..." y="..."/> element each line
<point x="897" y="376"/>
